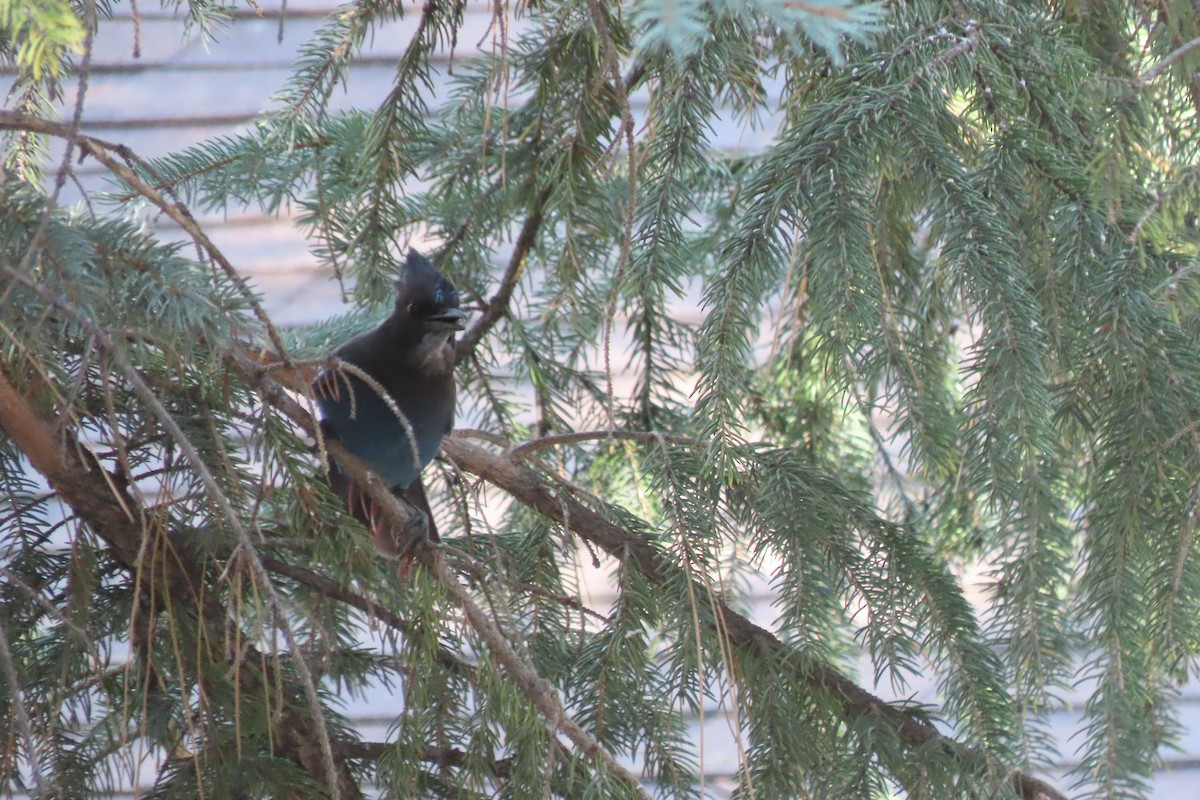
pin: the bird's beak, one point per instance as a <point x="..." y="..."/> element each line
<point x="451" y="319"/>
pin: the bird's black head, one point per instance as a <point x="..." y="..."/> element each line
<point x="426" y="296"/>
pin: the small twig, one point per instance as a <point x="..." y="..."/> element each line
<point x="328" y="587"/>
<point x="387" y="399"/>
<point x="465" y="223"/>
<point x="487" y="436"/>
<point x="479" y="573"/>
<point x="70" y="133"/>
<point x="33" y="756"/>
<point x="623" y="259"/>
<point x="17" y="582"/>
<point x="965" y="45"/>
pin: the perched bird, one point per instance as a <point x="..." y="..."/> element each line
<point x="410" y="356"/>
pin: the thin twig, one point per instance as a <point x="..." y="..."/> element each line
<point x="536" y="688"/>
<point x="33" y="754"/>
<point x="525" y="448"/>
<point x="330" y="588"/>
<point x="100" y="149"/>
<point x="71" y="134"/>
<point x="612" y="61"/>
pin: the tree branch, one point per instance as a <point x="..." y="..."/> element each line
<point x="525" y="448"/>
<point x="246" y="548"/>
<point x="105" y="504"/>
<point x="528" y="488"/>
<point x="536" y="688"/>
<point x="497" y="307"/>
<point x="99" y="150"/>
<point x="1169" y="59"/>
<point x="328" y="587"/>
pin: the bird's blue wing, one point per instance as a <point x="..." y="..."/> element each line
<point x="369" y="428"/>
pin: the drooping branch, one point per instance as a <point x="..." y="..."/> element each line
<point x="103" y="151"/>
<point x="328" y="587"/>
<point x="527" y="487"/>
<point x="246" y="552"/>
<point x="536" y="688"/>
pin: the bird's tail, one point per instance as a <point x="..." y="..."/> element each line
<point x="391" y="540"/>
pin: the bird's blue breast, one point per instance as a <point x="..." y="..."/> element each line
<point x="371" y="430"/>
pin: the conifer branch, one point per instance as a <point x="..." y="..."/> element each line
<point x="620" y="87"/>
<point x="246" y="552"/>
<point x="70" y="131"/>
<point x="524" y="674"/>
<point x="94" y="497"/>
<point x="497" y="307"/>
<point x="1179" y="52"/>
<point x="536" y="688"/>
<point x="505" y="472"/>
<point x="328" y="587"/>
<point x="179" y="213"/>
<point x="525" y="448"/>
<point x="995" y="235"/>
<point x="857" y="703"/>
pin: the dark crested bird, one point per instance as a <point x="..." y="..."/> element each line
<point x="411" y="358"/>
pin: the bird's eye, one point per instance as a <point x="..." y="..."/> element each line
<point x="438" y="296"/>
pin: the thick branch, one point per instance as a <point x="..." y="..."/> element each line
<point x="530" y="489"/>
<point x="105" y="504"/>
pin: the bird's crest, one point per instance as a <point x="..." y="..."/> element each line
<point x="418" y="276"/>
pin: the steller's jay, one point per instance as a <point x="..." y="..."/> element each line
<point x="411" y="357"/>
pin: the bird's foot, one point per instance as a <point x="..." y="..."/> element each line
<point x="413" y="544"/>
<point x="408" y="541"/>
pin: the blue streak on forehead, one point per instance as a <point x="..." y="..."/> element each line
<point x="445" y="292"/>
